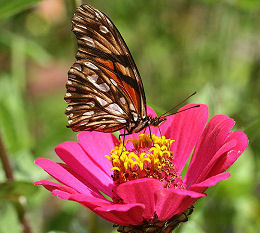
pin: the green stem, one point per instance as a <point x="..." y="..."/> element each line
<point x="5" y="161"/>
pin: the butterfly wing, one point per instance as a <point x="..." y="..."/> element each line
<point x="104" y="88"/>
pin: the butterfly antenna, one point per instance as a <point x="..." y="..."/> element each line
<point x="183" y="110"/>
<point x="165" y="114"/>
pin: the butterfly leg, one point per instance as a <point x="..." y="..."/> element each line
<point x="124" y="134"/>
<point x="150" y="132"/>
<point x="160" y="131"/>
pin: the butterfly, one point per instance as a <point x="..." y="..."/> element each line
<point x="104" y="89"/>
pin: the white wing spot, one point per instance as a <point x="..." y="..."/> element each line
<point x="89" y="41"/>
<point x="114" y="108"/>
<point x="71" y="88"/>
<point x="135" y="116"/>
<point x="91" y="104"/>
<point x="101" y="101"/>
<point x="69" y="108"/>
<point x="103" y="87"/>
<point x="109" y="22"/>
<point x="71" y="115"/>
<point x="132" y="107"/>
<point x="84" y="123"/>
<point x="121" y="120"/>
<point x="78" y="67"/>
<point x="70" y="121"/>
<point x="122" y="99"/>
<point x="97" y="14"/>
<point x="77" y="17"/>
<point x="88" y="113"/>
<point x="113" y="82"/>
<point x="69" y="82"/>
<point x="91" y="65"/>
<point x="100" y="13"/>
<point x="93" y="78"/>
<point x="103" y="29"/>
<point x="81" y="26"/>
<point x="136" y="75"/>
<point x="68" y="95"/>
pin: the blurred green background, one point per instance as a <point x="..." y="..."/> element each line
<point x="211" y="46"/>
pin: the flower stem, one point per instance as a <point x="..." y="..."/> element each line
<point x="5" y="161"/>
<point x="19" y="204"/>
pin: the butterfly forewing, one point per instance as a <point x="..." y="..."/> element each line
<point x="104" y="88"/>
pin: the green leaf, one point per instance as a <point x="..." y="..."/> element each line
<point x="13" y="116"/>
<point x="32" y="49"/>
<point x="13" y="189"/>
<point x="11" y="7"/>
<point x="249" y="4"/>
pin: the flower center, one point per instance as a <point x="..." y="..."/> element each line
<point x="145" y="157"/>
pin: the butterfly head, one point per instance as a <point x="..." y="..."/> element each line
<point x="157" y="121"/>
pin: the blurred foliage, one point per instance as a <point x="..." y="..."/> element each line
<point x="179" y="46"/>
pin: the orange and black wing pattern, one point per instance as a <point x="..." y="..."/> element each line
<point x="104" y="88"/>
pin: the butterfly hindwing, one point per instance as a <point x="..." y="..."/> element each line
<point x="95" y="103"/>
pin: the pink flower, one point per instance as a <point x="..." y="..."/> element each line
<point x="142" y="188"/>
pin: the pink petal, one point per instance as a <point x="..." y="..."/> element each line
<point x="122" y="214"/>
<point x="151" y="112"/>
<point x="211" y="166"/>
<point x="140" y="191"/>
<point x="63" y="176"/>
<point x="51" y="186"/>
<point x="235" y="144"/>
<point x="170" y="202"/>
<point x="185" y="128"/>
<point x="81" y="164"/>
<point x="210" y="142"/>
<point x="203" y="186"/>
<point x="89" y="201"/>
<point x="228" y="159"/>
<point x="97" y="145"/>
<point x="61" y="194"/>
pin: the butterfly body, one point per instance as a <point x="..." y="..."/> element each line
<point x="104" y="88"/>
<point x="137" y="126"/>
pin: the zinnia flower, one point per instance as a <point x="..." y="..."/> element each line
<point x="143" y="178"/>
